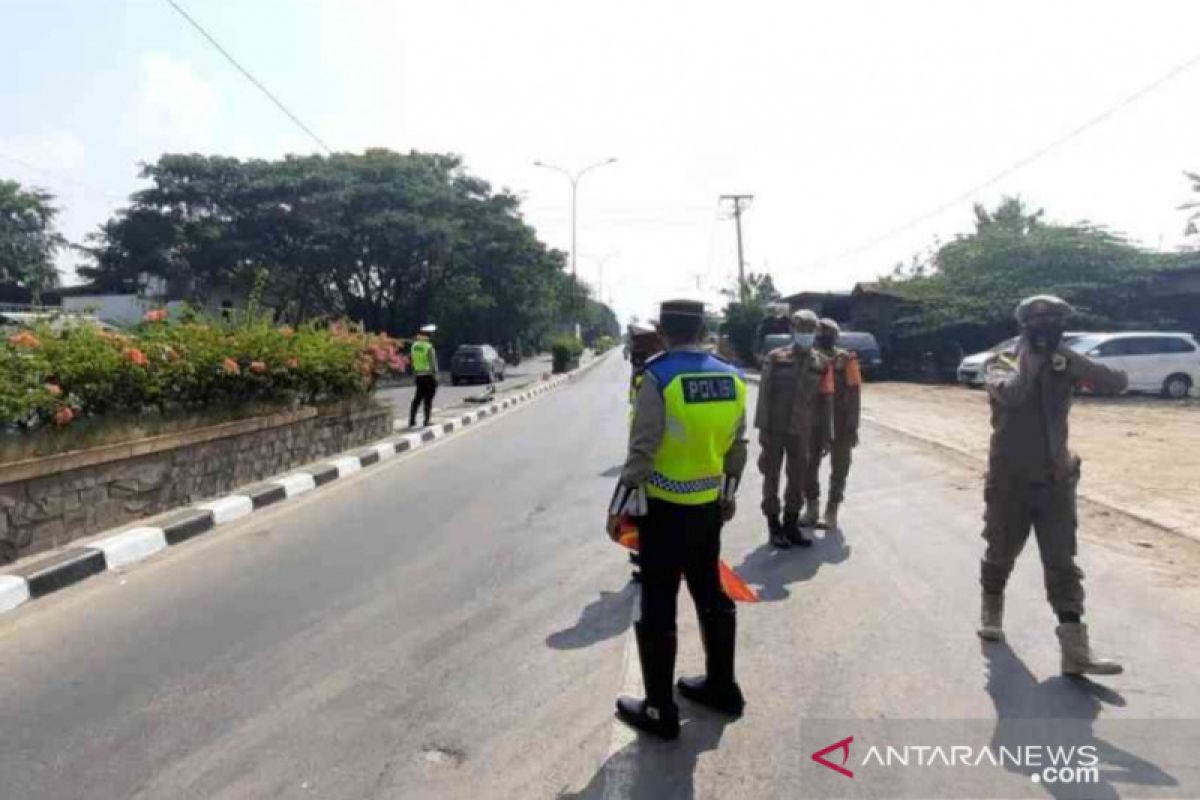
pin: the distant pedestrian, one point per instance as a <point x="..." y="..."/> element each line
<point x="687" y="449"/>
<point x="1032" y="476"/>
<point x="845" y="408"/>
<point x="425" y="370"/>
<point x="643" y="343"/>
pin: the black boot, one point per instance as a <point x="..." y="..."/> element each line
<point x="775" y="535"/>
<point x="657" y="714"/>
<point x="793" y="531"/>
<point x="636" y="576"/>
<point x="717" y="689"/>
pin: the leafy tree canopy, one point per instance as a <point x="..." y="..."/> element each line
<point x="28" y="238"/>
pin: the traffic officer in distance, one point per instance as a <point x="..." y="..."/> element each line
<point x="425" y="368"/>
<point x="644" y="342"/>
<point x="845" y="407"/>
<point x="793" y="393"/>
<point x="687" y="449"/>
<point x="1032" y="476"/>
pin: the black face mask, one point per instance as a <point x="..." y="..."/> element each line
<point x="1044" y="336"/>
<point x="826" y="342"/>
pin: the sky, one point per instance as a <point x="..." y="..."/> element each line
<point x="851" y="122"/>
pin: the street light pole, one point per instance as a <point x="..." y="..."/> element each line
<point x="574" y="178"/>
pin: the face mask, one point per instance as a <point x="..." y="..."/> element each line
<point x="1044" y="336"/>
<point x="803" y="340"/>
<point x="825" y="342"/>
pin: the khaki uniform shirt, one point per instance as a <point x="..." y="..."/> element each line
<point x="793" y="413"/>
<point x="1030" y="410"/>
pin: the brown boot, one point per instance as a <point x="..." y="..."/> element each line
<point x="830" y="521"/>
<point x="991" y="626"/>
<point x="1077" y="655"/>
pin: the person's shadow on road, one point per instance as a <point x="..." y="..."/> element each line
<point x="1060" y="710"/>
<point x="774" y="570"/>
<point x="651" y="769"/>
<point x="607" y="616"/>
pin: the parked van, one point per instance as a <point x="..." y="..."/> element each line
<point x="1161" y="363"/>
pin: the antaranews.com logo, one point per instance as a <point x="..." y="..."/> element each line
<point x="1050" y="764"/>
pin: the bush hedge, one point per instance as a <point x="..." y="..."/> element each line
<point x="565" y="352"/>
<point x="52" y="377"/>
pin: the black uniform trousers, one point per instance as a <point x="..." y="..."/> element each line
<point x="426" y="389"/>
<point x="677" y="541"/>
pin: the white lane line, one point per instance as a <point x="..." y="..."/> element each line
<point x="620" y="759"/>
<point x="295" y="484"/>
<point x="346" y="465"/>
<point x="130" y="546"/>
<point x="227" y="509"/>
<point x="13" y="592"/>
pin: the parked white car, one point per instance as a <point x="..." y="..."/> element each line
<point x="1156" y="362"/>
<point x="970" y="369"/>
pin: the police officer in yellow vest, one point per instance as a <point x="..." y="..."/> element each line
<point x="425" y="368"/>
<point x="687" y="450"/>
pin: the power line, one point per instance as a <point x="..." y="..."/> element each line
<point x="278" y="103"/>
<point x="61" y="177"/>
<point x="1016" y="166"/>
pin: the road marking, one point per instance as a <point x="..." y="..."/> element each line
<point x="131" y="546"/>
<point x="227" y="509"/>
<point x="347" y="465"/>
<point x="296" y="484"/>
<point x="14" y="591"/>
<point x="620" y="760"/>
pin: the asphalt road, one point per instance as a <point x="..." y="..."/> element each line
<point x="449" y="395"/>
<point x="455" y="624"/>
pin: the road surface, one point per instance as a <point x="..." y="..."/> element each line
<point x="455" y="624"/>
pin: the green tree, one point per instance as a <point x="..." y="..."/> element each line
<point x="742" y="319"/>
<point x="968" y="288"/>
<point x="28" y="238"/>
<point x="391" y="240"/>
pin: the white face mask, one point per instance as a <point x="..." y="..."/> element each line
<point x="803" y="339"/>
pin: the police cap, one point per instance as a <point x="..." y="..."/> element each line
<point x="681" y="308"/>
<point x="1042" y="305"/>
<point x="827" y="325"/>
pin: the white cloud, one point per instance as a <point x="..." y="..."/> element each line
<point x="55" y="151"/>
<point x="175" y="108"/>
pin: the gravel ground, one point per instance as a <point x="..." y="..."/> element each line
<point x="1139" y="453"/>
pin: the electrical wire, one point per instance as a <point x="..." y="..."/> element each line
<point x="245" y="72"/>
<point x="1016" y="166"/>
<point x="61" y="177"/>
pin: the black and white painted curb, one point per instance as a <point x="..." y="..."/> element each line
<point x="131" y="545"/>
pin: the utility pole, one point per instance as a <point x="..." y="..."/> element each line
<point x="740" y="203"/>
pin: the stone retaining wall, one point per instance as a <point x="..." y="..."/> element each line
<point x="47" y="502"/>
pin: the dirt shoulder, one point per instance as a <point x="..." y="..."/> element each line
<point x="1140" y="454"/>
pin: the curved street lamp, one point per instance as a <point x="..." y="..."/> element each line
<point x="574" y="178"/>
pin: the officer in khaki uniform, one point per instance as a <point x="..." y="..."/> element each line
<point x="687" y="450"/>
<point x="845" y="407"/>
<point x="1032" y="476"/>
<point x="793" y="391"/>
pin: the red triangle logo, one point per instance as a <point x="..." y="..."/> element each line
<point x="844" y="747"/>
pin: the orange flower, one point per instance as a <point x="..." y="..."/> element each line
<point x="231" y="367"/>
<point x="293" y="362"/>
<point x="135" y="357"/>
<point x="64" y="415"/>
<point x="287" y="332"/>
<point x="24" y="339"/>
<point x="54" y="389"/>
<point x="155" y="315"/>
<point x="258" y="367"/>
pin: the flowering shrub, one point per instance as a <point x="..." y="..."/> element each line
<point x="51" y="378"/>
